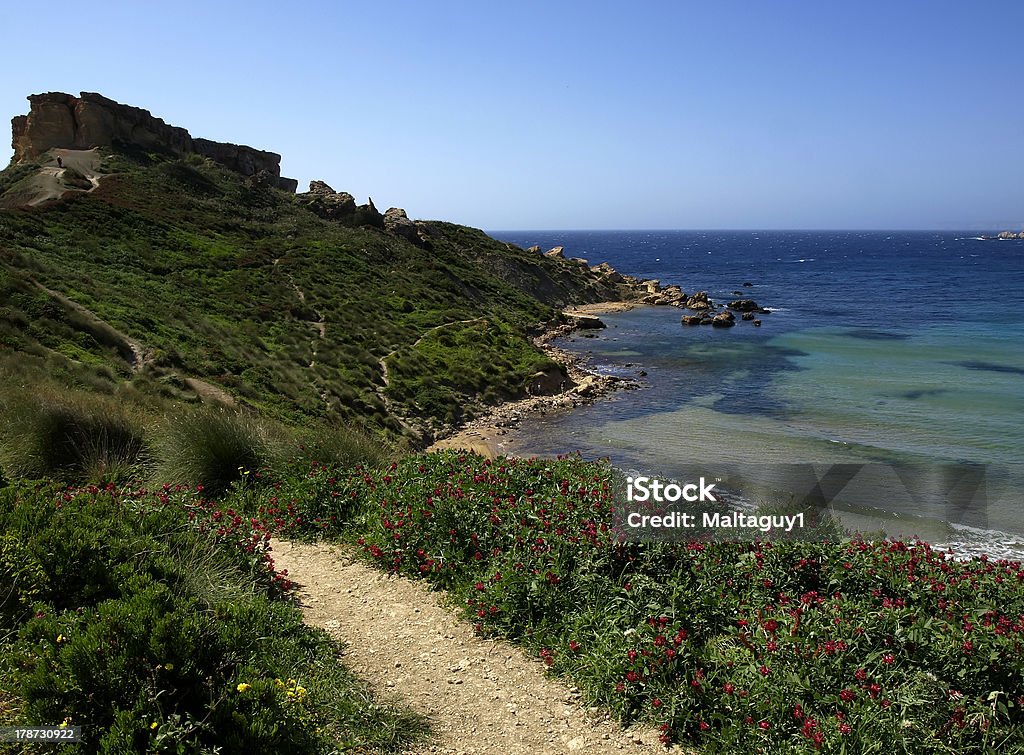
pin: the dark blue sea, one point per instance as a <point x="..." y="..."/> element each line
<point x="883" y="348"/>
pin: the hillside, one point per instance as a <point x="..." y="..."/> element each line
<point x="166" y="275"/>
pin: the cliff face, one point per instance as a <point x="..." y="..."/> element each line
<point x="90" y="120"/>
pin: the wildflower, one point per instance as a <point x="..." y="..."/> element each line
<point x="154" y="725"/>
<point x="243" y="687"/>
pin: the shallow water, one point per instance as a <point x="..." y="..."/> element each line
<point x="890" y="349"/>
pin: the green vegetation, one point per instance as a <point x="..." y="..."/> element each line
<point x="214" y="277"/>
<point x="850" y="646"/>
<point x="477" y="357"/>
<point x="191" y="361"/>
<point x="152" y="621"/>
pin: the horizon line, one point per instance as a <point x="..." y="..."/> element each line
<point x="742" y="230"/>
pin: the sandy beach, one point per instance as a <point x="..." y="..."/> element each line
<point x="484" y="435"/>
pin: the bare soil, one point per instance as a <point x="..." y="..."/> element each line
<point x="481" y="696"/>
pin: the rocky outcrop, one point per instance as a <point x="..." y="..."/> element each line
<point x="585" y="322"/>
<point x="743" y="305"/>
<point x="699" y="301"/>
<point x="398" y="223"/>
<point x="320" y="188"/>
<point x="58" y="120"/>
<point x="555" y="252"/>
<point x="549" y="382"/>
<point x="724" y="319"/>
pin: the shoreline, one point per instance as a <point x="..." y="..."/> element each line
<point x="481" y="435"/>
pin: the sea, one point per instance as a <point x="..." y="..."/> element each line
<point x="890" y="366"/>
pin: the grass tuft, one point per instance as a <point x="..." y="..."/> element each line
<point x="70" y="436"/>
<point x="214" y="446"/>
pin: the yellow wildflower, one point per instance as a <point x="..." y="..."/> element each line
<point x="243" y="687"/>
<point x="153" y="725"/>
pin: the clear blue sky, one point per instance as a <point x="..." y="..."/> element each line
<point x="528" y="115"/>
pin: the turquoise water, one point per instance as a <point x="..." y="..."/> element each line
<point x="897" y="351"/>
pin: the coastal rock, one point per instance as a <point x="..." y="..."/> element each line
<point x="724" y="320"/>
<point x="653" y="286"/>
<point x="586" y="322"/>
<point x="535" y="250"/>
<point x="747" y="316"/>
<point x="549" y="382"/>
<point x="555" y="252"/>
<point x="699" y="301"/>
<point x="757" y="323"/>
<point x="748" y="284"/>
<point x="1010" y="235"/>
<point x="691" y="319"/>
<point x="589" y="386"/>
<point x="608" y="273"/>
<point x="743" y="305"/>
<point x="674" y="295"/>
<point x="59" y="120"/>
<point x="579" y="261"/>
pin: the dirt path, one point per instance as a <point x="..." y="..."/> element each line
<point x="49" y="183"/>
<point x="482" y="696"/>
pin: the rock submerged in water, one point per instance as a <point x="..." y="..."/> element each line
<point x="743" y="305"/>
<point x="724" y="320"/>
<point x="691" y="319"/>
<point x="699" y="301"/>
<point x="747" y="316"/>
<point x="586" y="322"/>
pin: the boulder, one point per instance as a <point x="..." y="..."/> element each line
<point x="367" y="214"/>
<point x="586" y="322"/>
<point x="555" y="252"/>
<point x="587" y="387"/>
<point x="748" y="284"/>
<point x="757" y="323"/>
<point x="548" y="382"/>
<point x="724" y="320"/>
<point x="608" y="273"/>
<point x="321" y="188"/>
<point x="398" y="223"/>
<point x="743" y="305"/>
<point x="691" y="319"/>
<point x="336" y="205"/>
<point x="747" y="316"/>
<point x="699" y="301"/>
<point x="535" y="250"/>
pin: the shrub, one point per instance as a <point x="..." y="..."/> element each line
<point x="165" y="641"/>
<point x="213" y="446"/>
<point x="70" y="436"/>
<point x="336" y="445"/>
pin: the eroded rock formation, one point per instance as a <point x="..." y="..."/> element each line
<point x="58" y="120"/>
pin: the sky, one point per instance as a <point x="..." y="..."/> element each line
<point x="903" y="114"/>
